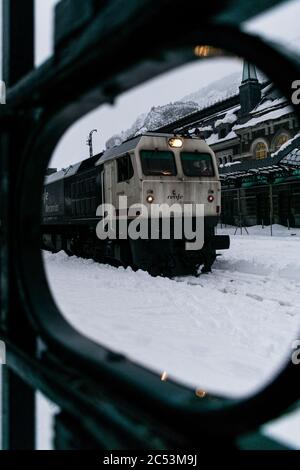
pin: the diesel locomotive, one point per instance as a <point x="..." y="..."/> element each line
<point x="149" y="169"/>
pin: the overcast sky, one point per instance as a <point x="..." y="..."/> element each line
<point x="281" y="24"/>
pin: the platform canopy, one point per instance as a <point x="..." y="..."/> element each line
<point x="283" y="162"/>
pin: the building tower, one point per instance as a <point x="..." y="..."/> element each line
<point x="250" y="90"/>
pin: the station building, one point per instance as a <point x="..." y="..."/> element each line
<point x="255" y="136"/>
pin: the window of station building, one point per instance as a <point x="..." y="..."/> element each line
<point x="261" y="151"/>
<point x="222" y="133"/>
<point x="125" y="168"/>
<point x="281" y="139"/>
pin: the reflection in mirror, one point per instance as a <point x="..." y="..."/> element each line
<point x="208" y="140"/>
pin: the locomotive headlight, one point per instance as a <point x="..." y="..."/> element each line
<point x="210" y="198"/>
<point x="175" y="142"/>
<point x="150" y="198"/>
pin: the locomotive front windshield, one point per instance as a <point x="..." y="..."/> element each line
<point x="197" y="164"/>
<point x="155" y="162"/>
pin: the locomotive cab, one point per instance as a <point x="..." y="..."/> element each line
<point x="178" y="170"/>
<point x="162" y="169"/>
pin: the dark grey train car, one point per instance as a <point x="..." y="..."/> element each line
<point x="54" y="200"/>
<point x="70" y="200"/>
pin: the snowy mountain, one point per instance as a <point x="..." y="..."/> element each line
<point x="216" y="91"/>
<point x="159" y="116"/>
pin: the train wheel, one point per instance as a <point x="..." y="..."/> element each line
<point x="209" y="259"/>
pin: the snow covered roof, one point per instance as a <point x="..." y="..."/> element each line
<point x="267" y="88"/>
<point x="119" y="150"/>
<point x="282" y="161"/>
<point x="228" y="164"/>
<point x="275" y="114"/>
<point x="214" y="138"/>
<point x="240" y="173"/>
<point x="287" y="144"/>
<point x="229" y="118"/>
<point x="58" y="175"/>
<point x="268" y="103"/>
<point x="252" y="164"/>
<point x="201" y="129"/>
<point x="220" y="114"/>
<point x="289" y="152"/>
<point x="292" y="158"/>
<point x="69" y="171"/>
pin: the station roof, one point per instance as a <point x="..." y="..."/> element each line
<point x="285" y="160"/>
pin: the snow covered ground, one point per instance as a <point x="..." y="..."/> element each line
<point x="226" y="332"/>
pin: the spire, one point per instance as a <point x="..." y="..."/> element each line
<point x="250" y="89"/>
<point x="249" y="72"/>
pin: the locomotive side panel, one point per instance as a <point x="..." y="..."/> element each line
<point x="54" y="202"/>
<point x="83" y="194"/>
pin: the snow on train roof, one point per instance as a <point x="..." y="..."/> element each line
<point x="109" y="154"/>
<point x="126" y="146"/>
<point x="81" y="166"/>
<point x="71" y="170"/>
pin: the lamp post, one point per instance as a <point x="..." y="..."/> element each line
<point x="89" y="142"/>
<point x="271" y="181"/>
